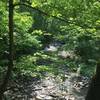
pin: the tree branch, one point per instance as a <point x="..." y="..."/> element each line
<point x="44" y="13"/>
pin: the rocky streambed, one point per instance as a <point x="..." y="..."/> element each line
<point x="51" y="87"/>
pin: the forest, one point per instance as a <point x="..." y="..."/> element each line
<point x="49" y="50"/>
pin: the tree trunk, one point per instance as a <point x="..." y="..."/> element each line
<point x="10" y="65"/>
<point x="94" y="89"/>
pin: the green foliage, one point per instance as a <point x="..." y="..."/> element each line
<point x="33" y="31"/>
<point x="26" y="65"/>
<point x="23" y="21"/>
<point x="3" y="28"/>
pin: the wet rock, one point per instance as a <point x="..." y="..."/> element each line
<point x="66" y="54"/>
<point x="48" y="98"/>
<point x="51" y="48"/>
<point x="43" y="97"/>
